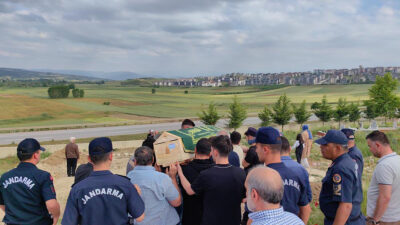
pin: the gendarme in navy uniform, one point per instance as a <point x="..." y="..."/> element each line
<point x="341" y="188"/>
<point x="295" y="193"/>
<point x="102" y="198"/>
<point x="354" y="152"/>
<point x="27" y="192"/>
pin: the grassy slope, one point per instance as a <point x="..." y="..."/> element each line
<point x="31" y="106"/>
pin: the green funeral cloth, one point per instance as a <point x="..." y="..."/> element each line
<point x="191" y="136"/>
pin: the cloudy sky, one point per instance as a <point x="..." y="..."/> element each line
<point x="199" y="37"/>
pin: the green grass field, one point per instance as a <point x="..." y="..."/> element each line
<point x="26" y="107"/>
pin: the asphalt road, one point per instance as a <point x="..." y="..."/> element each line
<point x="106" y="131"/>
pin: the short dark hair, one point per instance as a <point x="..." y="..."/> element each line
<point x="25" y="156"/>
<point x="236" y="137"/>
<point x="222" y="144"/>
<point x="100" y="158"/>
<point x="274" y="147"/>
<point x="285" y="145"/>
<point x="203" y="147"/>
<point x="144" y="156"/>
<point x="188" y="122"/>
<point x="378" y="136"/>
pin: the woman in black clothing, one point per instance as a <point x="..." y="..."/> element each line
<point x="299" y="146"/>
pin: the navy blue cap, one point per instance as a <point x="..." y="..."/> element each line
<point x="333" y="136"/>
<point x="251" y="131"/>
<point x="29" y="145"/>
<point x="349" y="133"/>
<point x="100" y="146"/>
<point x="268" y="135"/>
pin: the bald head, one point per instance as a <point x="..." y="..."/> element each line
<point x="267" y="183"/>
<point x="223" y="132"/>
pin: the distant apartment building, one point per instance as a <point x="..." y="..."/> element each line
<point x="317" y="76"/>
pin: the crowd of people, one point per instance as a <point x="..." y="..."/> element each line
<point x="224" y="184"/>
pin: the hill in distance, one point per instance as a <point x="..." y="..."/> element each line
<point x="21" y="74"/>
<point x="119" y="75"/>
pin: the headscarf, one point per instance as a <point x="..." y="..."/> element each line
<point x="305" y="127"/>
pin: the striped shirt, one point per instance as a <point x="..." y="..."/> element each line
<point x="275" y="217"/>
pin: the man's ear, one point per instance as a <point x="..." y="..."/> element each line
<point x="378" y="145"/>
<point x="254" y="194"/>
<point x="265" y="149"/>
<point x="36" y="155"/>
<point x="89" y="160"/>
<point x="110" y="156"/>
<point x="216" y="153"/>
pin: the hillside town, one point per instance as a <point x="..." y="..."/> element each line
<point x="318" y="76"/>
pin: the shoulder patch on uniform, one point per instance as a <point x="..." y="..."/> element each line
<point x="337" y="188"/>
<point x="123" y="176"/>
<point x="336" y="178"/>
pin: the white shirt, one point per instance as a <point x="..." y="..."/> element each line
<point x="239" y="151"/>
<point x="387" y="172"/>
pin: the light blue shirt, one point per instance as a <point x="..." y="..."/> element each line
<point x="274" y="217"/>
<point x="157" y="189"/>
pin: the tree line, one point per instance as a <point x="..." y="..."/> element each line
<point x="382" y="102"/>
<point x="62" y="91"/>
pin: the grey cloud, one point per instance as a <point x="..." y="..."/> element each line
<point x="31" y="18"/>
<point x="101" y="39"/>
<point x="176" y="6"/>
<point x="184" y="28"/>
<point x="95" y="13"/>
<point x="5" y="7"/>
<point x="192" y="37"/>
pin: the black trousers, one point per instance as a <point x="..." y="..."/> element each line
<point x="245" y="218"/>
<point x="71" y="166"/>
<point x="299" y="152"/>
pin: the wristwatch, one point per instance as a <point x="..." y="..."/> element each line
<point x="373" y="221"/>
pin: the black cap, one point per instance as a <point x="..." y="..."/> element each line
<point x="100" y="146"/>
<point x="29" y="145"/>
<point x="333" y="136"/>
<point x="251" y="131"/>
<point x="349" y="133"/>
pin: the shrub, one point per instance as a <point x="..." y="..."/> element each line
<point x="265" y="116"/>
<point x="78" y="93"/>
<point x="210" y="117"/>
<point x="58" y="91"/>
<point x="237" y="114"/>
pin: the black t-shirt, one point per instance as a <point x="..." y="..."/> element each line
<point x="149" y="141"/>
<point x="222" y="187"/>
<point x="193" y="204"/>
<point x="83" y="171"/>
<point x="251" y="158"/>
